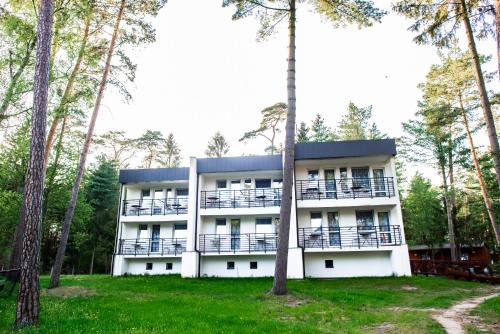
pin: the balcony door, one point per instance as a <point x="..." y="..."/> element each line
<point x="333" y="228"/>
<point x="155" y="238"/>
<point x="235" y="234"/>
<point x="330" y="186"/>
<point x="379" y="182"/>
<point x="367" y="236"/>
<point x="384" y="227"/>
<point x="158" y="202"/>
<point x="236" y="192"/>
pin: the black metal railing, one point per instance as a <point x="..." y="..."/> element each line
<point x="350" y="236"/>
<point x="152" y="246"/>
<point x="247" y="198"/>
<point x="233" y="243"/>
<point x="155" y="207"/>
<point x="345" y="188"/>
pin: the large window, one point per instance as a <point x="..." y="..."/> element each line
<point x="221" y="184"/>
<point x="182" y="192"/>
<point x="364" y="220"/>
<point x="264" y="225"/>
<point x="379" y="182"/>
<point x="220" y="226"/>
<point x="145" y="193"/>
<point x="263" y="183"/>
<point x="313" y="175"/>
<point x="333" y="228"/>
<point x="360" y="177"/>
<point x="316" y="220"/>
<point x="180" y="231"/>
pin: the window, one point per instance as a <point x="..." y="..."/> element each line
<point x="344" y="183"/>
<point x="253" y="265"/>
<point x="149" y="266"/>
<point x="145" y="193"/>
<point x="378" y="180"/>
<point x="221" y="184"/>
<point x="180" y="231"/>
<point x="248" y="184"/>
<point x="364" y="220"/>
<point x="313" y="175"/>
<point x="263" y="183"/>
<point x="330" y="186"/>
<point x="383" y="221"/>
<point x="329" y="264"/>
<point x="236" y="185"/>
<point x="277" y="183"/>
<point x="182" y="192"/>
<point x="158" y="193"/>
<point x="230" y="265"/>
<point x="333" y="228"/>
<point x="316" y="220"/>
<point x="169" y="266"/>
<point x="360" y="177"/>
<point x="263" y="225"/>
<point x="142" y="233"/>
<point x="220" y="226"/>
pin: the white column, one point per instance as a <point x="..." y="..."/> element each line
<point x="190" y="258"/>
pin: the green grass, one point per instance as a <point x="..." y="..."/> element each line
<point x="489" y="312"/>
<point x="152" y="304"/>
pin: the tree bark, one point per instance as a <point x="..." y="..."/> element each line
<point x="280" y="271"/>
<point x="497" y="26"/>
<point x="483" y="94"/>
<point x="28" y="301"/>
<point x="482" y="184"/>
<point x="68" y="90"/>
<point x="9" y="94"/>
<point x="56" y="272"/>
<point x="449" y="216"/>
<point x="452" y="193"/>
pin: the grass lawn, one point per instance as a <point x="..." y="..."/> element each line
<point x="152" y="304"/>
<point x="489" y="311"/>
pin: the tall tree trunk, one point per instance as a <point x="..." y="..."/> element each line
<point x="482" y="184"/>
<point x="28" y="301"/>
<point x="497" y="25"/>
<point x="56" y="272"/>
<point x="483" y="94"/>
<point x="91" y="270"/>
<point x="59" y="114"/>
<point x="452" y="193"/>
<point x="280" y="271"/>
<point x="449" y="215"/>
<point x="9" y="93"/>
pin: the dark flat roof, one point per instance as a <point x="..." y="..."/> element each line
<point x="240" y="164"/>
<point x="154" y="174"/>
<point x="345" y="149"/>
<point x="303" y="151"/>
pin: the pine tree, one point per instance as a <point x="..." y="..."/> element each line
<point x="217" y="146"/>
<point x="303" y="133"/>
<point x="320" y="131"/>
<point x="170" y="153"/>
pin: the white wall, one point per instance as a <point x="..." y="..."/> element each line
<point x="347" y="216"/>
<point x="247" y="223"/>
<point x="138" y="266"/>
<point x="216" y="266"/>
<point x="384" y="162"/>
<point x="348" y="264"/>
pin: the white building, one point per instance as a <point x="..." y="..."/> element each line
<point x="219" y="217"/>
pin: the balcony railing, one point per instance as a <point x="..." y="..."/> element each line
<point x="152" y="246"/>
<point x="350" y="237"/>
<point x="345" y="188"/>
<point x="233" y="243"/>
<point x="247" y="198"/>
<point x="155" y="207"/>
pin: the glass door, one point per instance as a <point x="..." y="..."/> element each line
<point x="379" y="182"/>
<point x="155" y="238"/>
<point x="333" y="229"/>
<point x="330" y="186"/>
<point x="235" y="234"/>
<point x="384" y="227"/>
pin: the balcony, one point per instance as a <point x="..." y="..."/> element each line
<point x="152" y="246"/>
<point x="155" y="207"/>
<point x="238" y="243"/>
<point x="345" y="188"/>
<point x="247" y="198"/>
<point x="350" y="237"/>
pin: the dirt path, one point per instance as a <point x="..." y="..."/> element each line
<point x="453" y="318"/>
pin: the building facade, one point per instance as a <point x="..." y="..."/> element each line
<point x="220" y="216"/>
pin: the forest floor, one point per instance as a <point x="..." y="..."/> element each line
<point x="170" y="304"/>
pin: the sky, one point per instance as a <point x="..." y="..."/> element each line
<point x="207" y="73"/>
